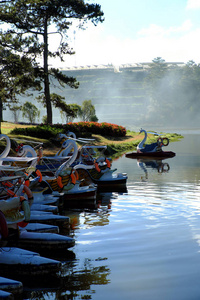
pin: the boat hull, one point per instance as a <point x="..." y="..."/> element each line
<point x="35" y="241"/>
<point x="156" y="155"/>
<point x="92" y="176"/>
<point x="24" y="263"/>
<point x="85" y="195"/>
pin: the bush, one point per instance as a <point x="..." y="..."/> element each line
<point x="79" y="128"/>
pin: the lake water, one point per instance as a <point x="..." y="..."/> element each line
<point x="144" y="243"/>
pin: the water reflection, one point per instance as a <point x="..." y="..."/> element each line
<point x="159" y="165"/>
<point x="71" y="282"/>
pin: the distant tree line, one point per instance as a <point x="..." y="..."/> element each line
<point x="86" y="112"/>
<point x="174" y="92"/>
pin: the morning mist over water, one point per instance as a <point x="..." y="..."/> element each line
<point x="132" y="96"/>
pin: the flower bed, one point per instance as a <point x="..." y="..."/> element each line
<point x="79" y="128"/>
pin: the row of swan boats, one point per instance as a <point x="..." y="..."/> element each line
<point x="31" y="186"/>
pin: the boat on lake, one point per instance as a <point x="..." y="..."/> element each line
<point x="153" y="150"/>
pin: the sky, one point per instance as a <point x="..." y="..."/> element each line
<point x="136" y="31"/>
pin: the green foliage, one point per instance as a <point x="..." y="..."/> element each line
<point x="17" y="73"/>
<point x="15" y="109"/>
<point x="30" y="111"/>
<point x="88" y="112"/>
<point x="44" y="119"/>
<point x="42" y="132"/>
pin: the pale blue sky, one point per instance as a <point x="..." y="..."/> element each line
<point x="138" y="31"/>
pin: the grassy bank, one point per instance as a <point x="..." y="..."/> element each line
<point x="115" y="145"/>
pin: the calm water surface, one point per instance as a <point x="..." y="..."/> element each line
<point x="144" y="243"/>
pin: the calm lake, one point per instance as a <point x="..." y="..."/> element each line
<point x="141" y="244"/>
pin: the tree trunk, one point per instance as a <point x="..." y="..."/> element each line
<point x="1" y="113"/>
<point x="46" y="76"/>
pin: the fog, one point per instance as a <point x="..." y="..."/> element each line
<point x="121" y="97"/>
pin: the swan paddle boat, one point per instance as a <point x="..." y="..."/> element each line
<point x="153" y="150"/>
<point x="92" y="165"/>
<point x="57" y="172"/>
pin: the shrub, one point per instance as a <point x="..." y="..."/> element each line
<point x="79" y="128"/>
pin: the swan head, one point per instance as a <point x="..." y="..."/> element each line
<point x="71" y="134"/>
<point x="142" y="130"/>
<point x="60" y="136"/>
<point x="65" y="143"/>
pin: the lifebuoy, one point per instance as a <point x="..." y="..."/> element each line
<point x="3" y="225"/>
<point x="26" y="182"/>
<point x="26" y="208"/>
<point x="39" y="174"/>
<point x="108" y="163"/>
<point x="76" y="174"/>
<point x="97" y="167"/>
<point x="165" y="141"/>
<point x="28" y="192"/>
<point x="163" y="168"/>
<point x="59" y="181"/>
<point x="73" y="178"/>
<point x="160" y="141"/>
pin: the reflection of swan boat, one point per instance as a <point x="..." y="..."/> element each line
<point x="153" y="150"/>
<point x="158" y="165"/>
<point x="153" y="164"/>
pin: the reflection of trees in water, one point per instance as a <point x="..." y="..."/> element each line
<point x="82" y="280"/>
<point x="75" y="280"/>
<point x="101" y="218"/>
<point x="89" y="217"/>
<point x="72" y="282"/>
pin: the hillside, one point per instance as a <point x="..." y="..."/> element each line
<point x="118" y="97"/>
